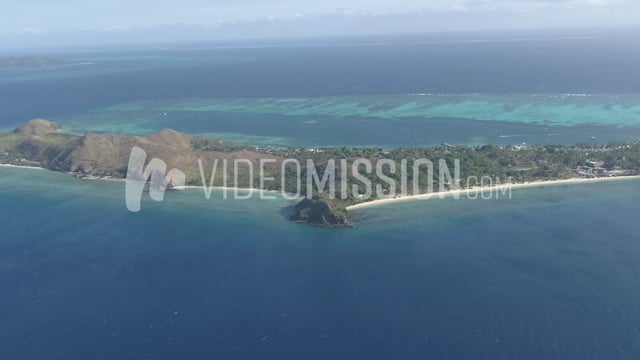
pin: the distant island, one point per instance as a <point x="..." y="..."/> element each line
<point x="40" y="143"/>
<point x="29" y="62"/>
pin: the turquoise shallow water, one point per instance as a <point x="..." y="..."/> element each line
<point x="546" y="109"/>
<point x="552" y="273"/>
<point x="409" y="120"/>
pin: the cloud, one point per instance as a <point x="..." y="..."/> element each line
<point x="350" y="15"/>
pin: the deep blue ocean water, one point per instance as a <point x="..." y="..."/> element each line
<point x="552" y="273"/>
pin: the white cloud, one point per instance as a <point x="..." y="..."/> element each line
<point x="33" y="16"/>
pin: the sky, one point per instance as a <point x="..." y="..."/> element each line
<point x="51" y="20"/>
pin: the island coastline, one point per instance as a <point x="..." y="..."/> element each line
<point x="40" y="144"/>
<point x="398" y="199"/>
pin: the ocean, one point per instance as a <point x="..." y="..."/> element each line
<point x="469" y="88"/>
<point x="551" y="273"/>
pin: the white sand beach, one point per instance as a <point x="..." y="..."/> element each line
<point x="478" y="190"/>
<point x="22" y="167"/>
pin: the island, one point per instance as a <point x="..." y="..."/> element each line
<point x="322" y="211"/>
<point x="31" y="61"/>
<point x="42" y="143"/>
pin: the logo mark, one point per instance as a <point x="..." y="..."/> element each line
<point x="138" y="176"/>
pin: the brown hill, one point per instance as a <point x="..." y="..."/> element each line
<point x="108" y="155"/>
<point x="37" y="127"/>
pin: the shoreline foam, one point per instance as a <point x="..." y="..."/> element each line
<point x="179" y="188"/>
<point x="22" y="167"/>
